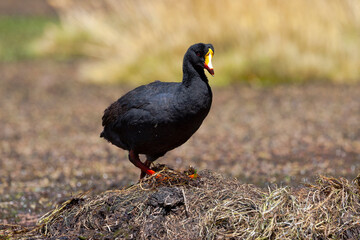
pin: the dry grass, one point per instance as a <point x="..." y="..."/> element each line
<point x="257" y="41"/>
<point x="209" y="207"/>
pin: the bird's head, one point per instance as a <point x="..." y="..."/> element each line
<point x="200" y="56"/>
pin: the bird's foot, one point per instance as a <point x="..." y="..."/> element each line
<point x="161" y="177"/>
<point x="192" y="173"/>
<point x="150" y="172"/>
<point x="193" y="176"/>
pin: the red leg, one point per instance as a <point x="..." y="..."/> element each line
<point x="134" y="158"/>
<point x="147" y="163"/>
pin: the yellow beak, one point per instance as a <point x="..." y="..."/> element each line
<point x="208" y="64"/>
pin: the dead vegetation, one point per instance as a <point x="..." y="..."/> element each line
<point x="208" y="207"/>
<point x="256" y="41"/>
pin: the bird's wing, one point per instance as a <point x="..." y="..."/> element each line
<point x="147" y="103"/>
<point x="152" y="109"/>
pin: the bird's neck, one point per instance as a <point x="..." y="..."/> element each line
<point x="191" y="74"/>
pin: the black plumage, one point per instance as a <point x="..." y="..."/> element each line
<point x="156" y="118"/>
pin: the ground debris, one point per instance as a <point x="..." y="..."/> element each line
<point x="208" y="207"/>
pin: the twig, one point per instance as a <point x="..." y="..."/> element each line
<point x="185" y="203"/>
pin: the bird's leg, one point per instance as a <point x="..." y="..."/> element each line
<point x="147" y="163"/>
<point x="134" y="158"/>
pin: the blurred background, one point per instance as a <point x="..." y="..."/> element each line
<point x="258" y="41"/>
<point x="286" y="91"/>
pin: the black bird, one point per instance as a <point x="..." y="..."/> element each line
<point x="156" y="118"/>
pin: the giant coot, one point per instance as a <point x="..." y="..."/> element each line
<point x="156" y="118"/>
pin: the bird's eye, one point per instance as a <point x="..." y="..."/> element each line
<point x="198" y="54"/>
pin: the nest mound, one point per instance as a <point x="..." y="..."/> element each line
<point x="175" y="206"/>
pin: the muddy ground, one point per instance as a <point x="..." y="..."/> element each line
<point x="50" y="148"/>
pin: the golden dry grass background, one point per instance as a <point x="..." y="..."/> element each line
<point x="255" y="41"/>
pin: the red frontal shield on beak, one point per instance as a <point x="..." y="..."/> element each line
<point x="208" y="64"/>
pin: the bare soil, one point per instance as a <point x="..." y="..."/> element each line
<point x="50" y="148"/>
